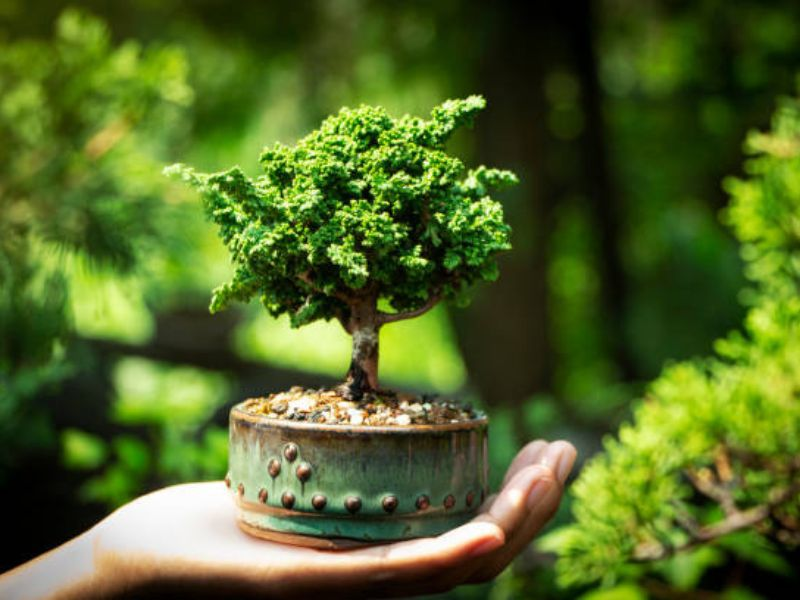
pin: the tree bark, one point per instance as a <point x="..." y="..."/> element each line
<point x="364" y="327"/>
<point x="604" y="204"/>
<point x="505" y="334"/>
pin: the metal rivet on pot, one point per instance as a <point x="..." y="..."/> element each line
<point x="303" y="471"/>
<point x="389" y="503"/>
<point x="449" y="501"/>
<point x="228" y="480"/>
<point x="287" y="499"/>
<point x="290" y="452"/>
<point x="423" y="502"/>
<point x="240" y="489"/>
<point x="470" y="498"/>
<point x="319" y="502"/>
<point x="352" y="504"/>
<point x="274" y="467"/>
<point x="263" y="495"/>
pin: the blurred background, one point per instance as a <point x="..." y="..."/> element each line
<point x="620" y="116"/>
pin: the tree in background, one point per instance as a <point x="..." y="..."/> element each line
<point x="82" y="122"/>
<point x="709" y="468"/>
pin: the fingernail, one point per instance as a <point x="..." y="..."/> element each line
<point x="486" y="546"/>
<point x="537" y="492"/>
<point x="559" y="457"/>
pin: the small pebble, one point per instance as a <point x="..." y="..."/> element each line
<point x="383" y="409"/>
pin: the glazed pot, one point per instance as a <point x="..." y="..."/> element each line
<point x="326" y="485"/>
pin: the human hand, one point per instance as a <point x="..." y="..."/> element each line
<point x="183" y="540"/>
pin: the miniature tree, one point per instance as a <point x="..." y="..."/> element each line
<point x="367" y="208"/>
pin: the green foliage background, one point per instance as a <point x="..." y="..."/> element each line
<point x="113" y="378"/>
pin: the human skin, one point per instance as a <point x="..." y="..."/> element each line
<point x="183" y="541"/>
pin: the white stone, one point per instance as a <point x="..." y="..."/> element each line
<point x="356" y="416"/>
<point x="302" y="404"/>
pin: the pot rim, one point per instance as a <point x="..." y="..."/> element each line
<point x="239" y="414"/>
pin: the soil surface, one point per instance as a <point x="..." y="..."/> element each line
<point x="379" y="409"/>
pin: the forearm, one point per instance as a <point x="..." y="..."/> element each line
<point x="68" y="571"/>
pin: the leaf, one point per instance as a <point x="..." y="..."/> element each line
<point x="685" y="570"/>
<point x="624" y="591"/>
<point x="755" y="549"/>
<point x="81" y="450"/>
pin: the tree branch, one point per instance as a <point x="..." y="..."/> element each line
<point x="736" y="521"/>
<point x="384" y="317"/>
<point x="307" y="279"/>
<point x="703" y="481"/>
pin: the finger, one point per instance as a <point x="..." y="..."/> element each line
<point x="507" y="513"/>
<point x="508" y="510"/>
<point x="542" y="507"/>
<point x="542" y="510"/>
<point x="388" y="568"/>
<point x="526" y="457"/>
<point x="529" y="455"/>
<point x="559" y="456"/>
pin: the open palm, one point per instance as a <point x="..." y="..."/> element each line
<point x="183" y="538"/>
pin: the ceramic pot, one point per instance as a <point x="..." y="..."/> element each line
<point x="326" y="485"/>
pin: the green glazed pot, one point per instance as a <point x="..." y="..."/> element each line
<point x="329" y="485"/>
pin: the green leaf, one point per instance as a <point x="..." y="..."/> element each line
<point x="81" y="450"/>
<point x="624" y="591"/>
<point x="685" y="570"/>
<point x="755" y="549"/>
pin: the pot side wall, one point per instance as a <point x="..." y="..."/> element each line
<point x="360" y="483"/>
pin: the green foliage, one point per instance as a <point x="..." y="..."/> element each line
<point x="81" y="124"/>
<point x="366" y="204"/>
<point x="715" y="446"/>
<point x="82" y="450"/>
<point x="169" y="408"/>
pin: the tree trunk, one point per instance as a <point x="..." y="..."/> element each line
<point x="603" y="196"/>
<point x="362" y="377"/>
<point x="505" y="334"/>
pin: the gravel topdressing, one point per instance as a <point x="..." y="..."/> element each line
<point x="383" y="409"/>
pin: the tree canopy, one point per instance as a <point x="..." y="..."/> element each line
<point x="365" y="206"/>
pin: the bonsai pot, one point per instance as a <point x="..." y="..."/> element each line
<point x="331" y="486"/>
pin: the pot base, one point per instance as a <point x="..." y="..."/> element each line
<point x="306" y="541"/>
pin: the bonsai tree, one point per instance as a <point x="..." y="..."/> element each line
<point x="366" y="211"/>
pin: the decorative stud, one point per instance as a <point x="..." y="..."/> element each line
<point x="263" y="495"/>
<point x="287" y="499"/>
<point x="274" y="468"/>
<point x="240" y="489"/>
<point x="470" y="498"/>
<point x="352" y="504"/>
<point x="389" y="503"/>
<point x="423" y="502"/>
<point x="449" y="501"/>
<point x="290" y="452"/>
<point x="303" y="471"/>
<point x="319" y="502"/>
<point x="228" y="480"/>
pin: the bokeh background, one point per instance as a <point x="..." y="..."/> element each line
<point x="620" y="116"/>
